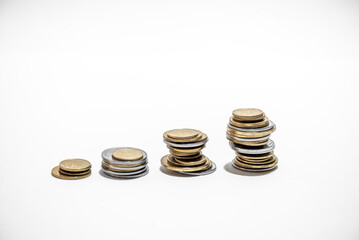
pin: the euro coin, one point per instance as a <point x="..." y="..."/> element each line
<point x="127" y="154"/>
<point x="248" y="114"/>
<point x="75" y="165"/>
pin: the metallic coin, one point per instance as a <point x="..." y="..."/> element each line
<point x="190" y="151"/>
<point x="125" y="165"/>
<point x="248" y="139"/>
<point x="256" y="162"/>
<point x="180" y="163"/>
<point x="116" y="173"/>
<point x="55" y="172"/>
<point x="186" y="145"/>
<point x="201" y="173"/>
<point x="123" y="169"/>
<point x="255" y="157"/>
<point x="250" y="144"/>
<point x="189" y="157"/>
<point x="262" y="129"/>
<point x="127" y="154"/>
<point x="74" y="173"/>
<point x="253" y="150"/>
<point x="259" y="166"/>
<point x="112" y="174"/>
<point x="248" y="114"/>
<point x="201" y="137"/>
<point x="181" y="154"/>
<point x="107" y="156"/>
<point x="169" y="166"/>
<point x="253" y="169"/>
<point x="75" y="165"/>
<point x="257" y="124"/>
<point x="240" y="134"/>
<point x="184" y="133"/>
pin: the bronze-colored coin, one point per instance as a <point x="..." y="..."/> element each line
<point x="177" y="162"/>
<point x="75" y="165"/>
<point x="261" y="166"/>
<point x="55" y="172"/>
<point x="124" y="165"/>
<point x="268" y="161"/>
<point x="127" y="154"/>
<point x="256" y="157"/>
<point x="190" y="151"/>
<point x="258" y="124"/>
<point x="180" y="154"/>
<point x="248" y="114"/>
<point x="184" y="133"/>
<point x="118" y="170"/>
<point x="199" y="138"/>
<point x="165" y="163"/>
<point x="252" y="143"/>
<point x="74" y="173"/>
<point x="240" y="134"/>
<point x="189" y="157"/>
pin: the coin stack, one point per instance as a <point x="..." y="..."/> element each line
<point x="72" y="169"/>
<point x="248" y="133"/>
<point x="124" y="162"/>
<point x="185" y="156"/>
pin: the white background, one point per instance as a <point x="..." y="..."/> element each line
<point x="77" y="77"/>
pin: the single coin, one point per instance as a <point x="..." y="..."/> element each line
<point x="181" y="154"/>
<point x="255" y="157"/>
<point x="253" y="169"/>
<point x="201" y="173"/>
<point x="185" y="145"/>
<point x="125" y="165"/>
<point x="252" y="144"/>
<point x="261" y="129"/>
<point x="55" y="172"/>
<point x="190" y="151"/>
<point x="177" y="162"/>
<point x="73" y="173"/>
<point x="257" y="124"/>
<point x="115" y="175"/>
<point x="125" y="172"/>
<point x="184" y="133"/>
<point x="256" y="162"/>
<point x="107" y="156"/>
<point x="240" y="134"/>
<point x="248" y="139"/>
<point x="189" y="157"/>
<point x="127" y="154"/>
<point x="123" y="169"/>
<point x="171" y="167"/>
<point x="253" y="150"/>
<point x="248" y="114"/>
<point x="75" y="165"/>
<point x="200" y="138"/>
<point x="261" y="166"/>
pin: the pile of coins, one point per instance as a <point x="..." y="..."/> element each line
<point x="124" y="162"/>
<point x="248" y="133"/>
<point x="185" y="156"/>
<point x="72" y="169"/>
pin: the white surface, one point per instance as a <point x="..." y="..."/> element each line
<point x="78" y="77"/>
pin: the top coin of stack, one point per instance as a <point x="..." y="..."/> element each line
<point x="72" y="169"/>
<point x="248" y="132"/>
<point x="124" y="162"/>
<point x="185" y="156"/>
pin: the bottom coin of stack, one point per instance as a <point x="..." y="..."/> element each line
<point x="248" y="133"/>
<point x="124" y="162"/>
<point x="185" y="156"/>
<point x="72" y="169"/>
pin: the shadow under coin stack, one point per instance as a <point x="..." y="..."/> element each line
<point x="185" y="156"/>
<point x="72" y="169"/>
<point x="124" y="162"/>
<point x="248" y="132"/>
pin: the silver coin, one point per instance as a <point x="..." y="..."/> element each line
<point x="132" y="169"/>
<point x="254" y="150"/>
<point x="253" y="169"/>
<point x="185" y="145"/>
<point x="109" y="173"/>
<point x="126" y="175"/>
<point x="107" y="156"/>
<point x="248" y="139"/>
<point x="262" y="129"/>
<point x="201" y="173"/>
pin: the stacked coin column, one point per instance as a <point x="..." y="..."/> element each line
<point x="72" y="169"/>
<point x="124" y="162"/>
<point x="185" y="156"/>
<point x="248" y="133"/>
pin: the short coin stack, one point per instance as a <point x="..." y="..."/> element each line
<point x="248" y="132"/>
<point x="124" y="162"/>
<point x="185" y="156"/>
<point x="72" y="169"/>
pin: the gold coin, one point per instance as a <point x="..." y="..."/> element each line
<point x="199" y="138"/>
<point x="127" y="154"/>
<point x="258" y="124"/>
<point x="189" y="157"/>
<point x="177" y="162"/>
<point x="184" y="133"/>
<point x="241" y="134"/>
<point x="55" y="172"/>
<point x="73" y="173"/>
<point x="191" y="151"/>
<point x="75" y="165"/>
<point x="262" y="166"/>
<point x="248" y="114"/>
<point x="268" y="161"/>
<point x="124" y="165"/>
<point x="252" y="143"/>
<point x="169" y="166"/>
<point x="117" y="170"/>
<point x="255" y="157"/>
<point x="181" y="154"/>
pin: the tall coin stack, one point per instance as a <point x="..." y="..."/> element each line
<point x="248" y="133"/>
<point x="185" y="156"/>
<point x="124" y="162"/>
